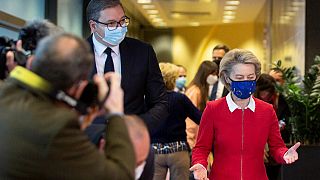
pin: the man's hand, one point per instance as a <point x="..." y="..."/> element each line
<point x="291" y="155"/>
<point x="114" y="102"/>
<point x="199" y="172"/>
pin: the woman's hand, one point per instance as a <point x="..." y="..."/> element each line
<point x="199" y="172"/>
<point x="291" y="155"/>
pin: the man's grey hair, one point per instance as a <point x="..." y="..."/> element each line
<point x="237" y="56"/>
<point x="96" y="6"/>
<point x="63" y="60"/>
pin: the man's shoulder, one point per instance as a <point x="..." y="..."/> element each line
<point x="136" y="42"/>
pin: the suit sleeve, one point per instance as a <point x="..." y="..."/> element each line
<point x="276" y="145"/>
<point x="155" y="97"/>
<point x="72" y="156"/>
<point x="193" y="112"/>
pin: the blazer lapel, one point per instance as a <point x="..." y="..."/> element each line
<point x="94" y="67"/>
<point x="126" y="62"/>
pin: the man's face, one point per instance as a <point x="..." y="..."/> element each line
<point x="277" y="76"/>
<point x="182" y="72"/>
<point x="217" y="54"/>
<point x="106" y="16"/>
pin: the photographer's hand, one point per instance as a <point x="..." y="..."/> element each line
<point x="114" y="102"/>
<point x="10" y="63"/>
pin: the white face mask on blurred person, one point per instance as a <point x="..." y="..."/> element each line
<point x="212" y="79"/>
<point x="139" y="170"/>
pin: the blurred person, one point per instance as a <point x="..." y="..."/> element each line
<point x="266" y="91"/>
<point x="277" y="75"/>
<point x="218" y="90"/>
<point x="6" y="44"/>
<point x="29" y="37"/>
<point x="170" y="143"/>
<point x="134" y="60"/>
<point x="40" y="118"/>
<point x="181" y="80"/>
<point x="140" y="139"/>
<point x="239" y="126"/>
<point x="198" y="91"/>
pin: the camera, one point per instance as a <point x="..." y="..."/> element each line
<point x="20" y="57"/>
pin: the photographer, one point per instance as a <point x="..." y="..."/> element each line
<point x="40" y="136"/>
<point x="6" y="45"/>
<point x="21" y="52"/>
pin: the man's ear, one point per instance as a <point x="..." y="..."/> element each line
<point x="92" y="26"/>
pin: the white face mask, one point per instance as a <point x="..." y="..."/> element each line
<point x="139" y="170"/>
<point x="212" y="79"/>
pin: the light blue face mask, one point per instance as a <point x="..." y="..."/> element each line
<point x="114" y="37"/>
<point x="180" y="82"/>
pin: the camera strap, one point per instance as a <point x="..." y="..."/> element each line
<point x="34" y="82"/>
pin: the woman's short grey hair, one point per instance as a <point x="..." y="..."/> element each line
<point x="237" y="56"/>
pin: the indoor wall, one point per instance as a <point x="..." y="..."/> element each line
<point x="192" y="45"/>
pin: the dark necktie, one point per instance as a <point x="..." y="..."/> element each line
<point x="108" y="66"/>
<point x="214" y="91"/>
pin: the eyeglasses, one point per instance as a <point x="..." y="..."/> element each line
<point x="112" y="25"/>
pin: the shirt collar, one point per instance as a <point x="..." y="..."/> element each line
<point x="100" y="48"/>
<point x="233" y="106"/>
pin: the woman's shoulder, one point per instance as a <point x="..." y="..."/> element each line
<point x="193" y="90"/>
<point x="219" y="103"/>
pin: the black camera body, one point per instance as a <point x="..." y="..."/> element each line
<point x="7" y="45"/>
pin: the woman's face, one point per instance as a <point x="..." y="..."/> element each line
<point x="243" y="72"/>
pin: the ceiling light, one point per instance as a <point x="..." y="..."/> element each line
<point x="194" y="24"/>
<point x="229" y="12"/>
<point x="228" y="17"/>
<point x="232" y="3"/>
<point x="162" y="24"/>
<point x="153" y="16"/>
<point x="148" y="6"/>
<point x="286" y="17"/>
<point x="152" y="11"/>
<point x="228" y="8"/>
<point x="289" y="13"/>
<point x="297" y="3"/>
<point x="157" y="20"/>
<point x="144" y="1"/>
<point x="176" y="15"/>
<point x="226" y="21"/>
<point x="294" y="8"/>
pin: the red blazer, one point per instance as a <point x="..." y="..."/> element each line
<point x="238" y="142"/>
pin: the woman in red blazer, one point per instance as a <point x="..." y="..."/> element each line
<point x="238" y="126"/>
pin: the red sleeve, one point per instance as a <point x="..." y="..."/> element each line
<point x="276" y="145"/>
<point x="205" y="138"/>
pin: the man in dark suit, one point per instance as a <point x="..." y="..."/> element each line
<point x="135" y="61"/>
<point x="218" y="89"/>
<point x="40" y="135"/>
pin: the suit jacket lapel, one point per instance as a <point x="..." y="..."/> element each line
<point x="126" y="61"/>
<point x="94" y="67"/>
